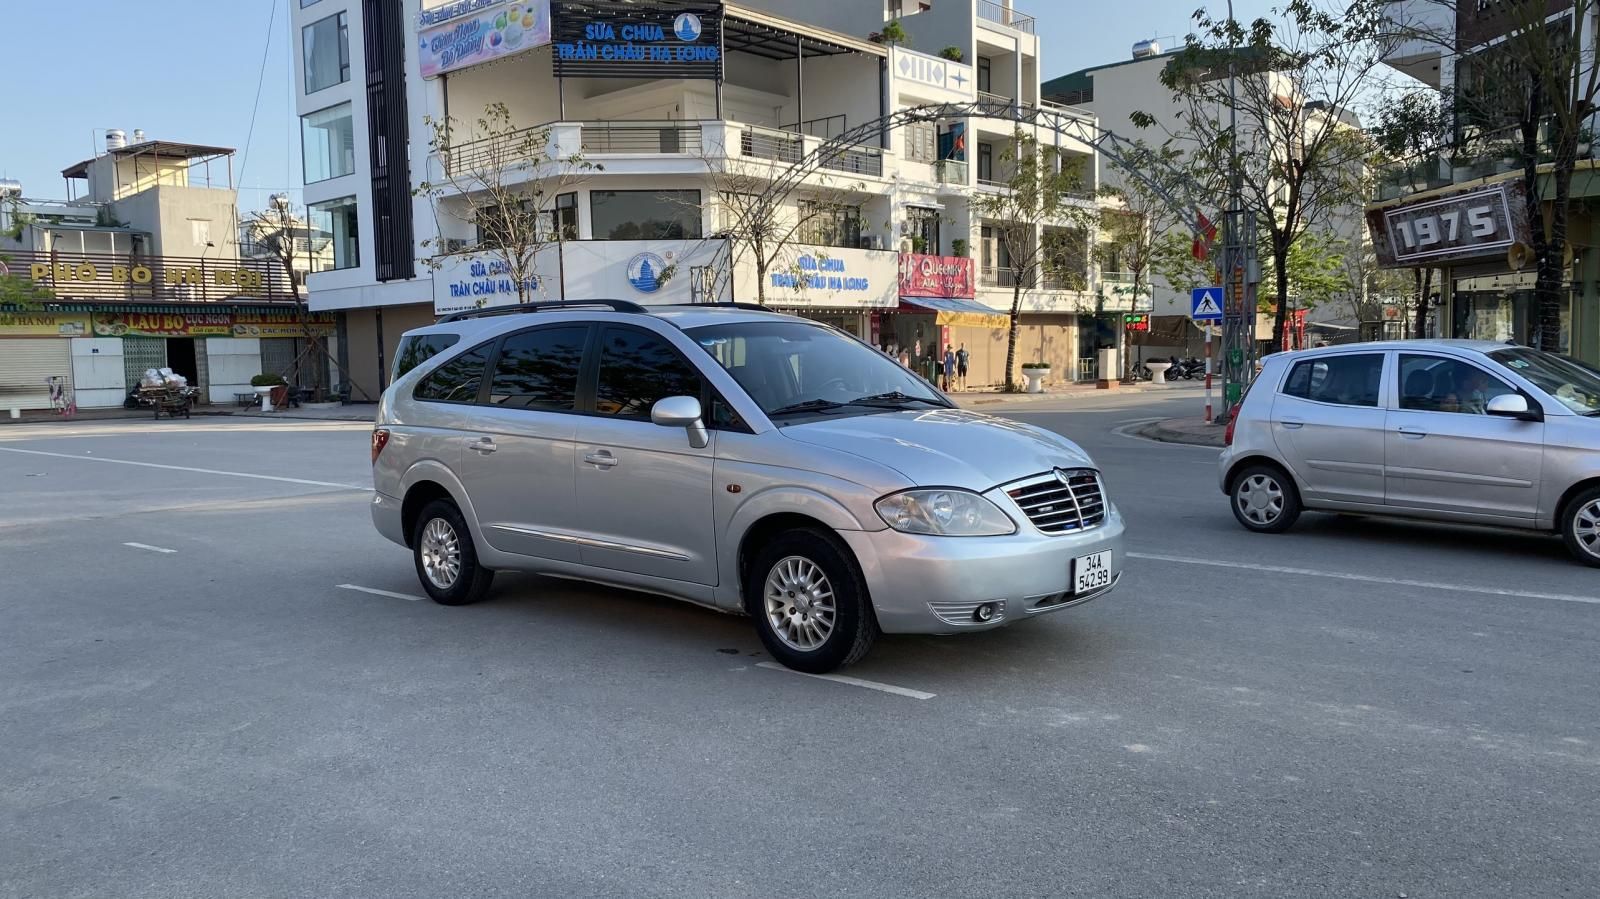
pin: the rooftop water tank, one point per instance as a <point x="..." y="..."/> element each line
<point x="1146" y="49"/>
<point x="116" y="139"/>
<point x="10" y="188"/>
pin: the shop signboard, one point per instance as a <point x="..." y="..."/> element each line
<point x="805" y="277"/>
<point x="43" y="324"/>
<point x="937" y="276"/>
<point x="282" y="324"/>
<point x="479" y="32"/>
<point x="163" y="324"/>
<point x="1475" y="223"/>
<point x="623" y="39"/>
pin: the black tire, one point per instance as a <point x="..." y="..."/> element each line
<point x="439" y="529"/>
<point x="1264" y="499"/>
<point x="853" y="626"/>
<point x="1580" y="526"/>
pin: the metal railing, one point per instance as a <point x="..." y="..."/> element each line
<point x="1060" y="281"/>
<point x="765" y="143"/>
<point x="990" y="11"/>
<point x="992" y="97"/>
<point x="856" y="161"/>
<point x="641" y="137"/>
<point x="951" y="171"/>
<point x="1469" y="158"/>
<point x="990" y="182"/>
<point x="999" y="277"/>
<point x="507" y="149"/>
<point x="1063" y="109"/>
<point x="1086" y="369"/>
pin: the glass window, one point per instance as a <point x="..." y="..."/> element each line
<point x="419" y="348"/>
<point x="636" y="369"/>
<point x="457" y="380"/>
<point x="789" y="364"/>
<point x="830" y="224"/>
<point x="645" y="214"/>
<point x="985" y="73"/>
<point x="327" y="143"/>
<point x="924" y="228"/>
<point x="539" y="369"/>
<point x="922" y="142"/>
<point x="1345" y="380"/>
<point x="1438" y="384"/>
<point x="1574" y="384"/>
<point x="336" y="220"/>
<point x="326" y="47"/>
<point x="566" y="216"/>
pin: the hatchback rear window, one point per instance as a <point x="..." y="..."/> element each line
<point x="416" y="349"/>
<point x="1344" y="380"/>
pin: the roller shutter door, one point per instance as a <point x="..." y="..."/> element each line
<point x="24" y="366"/>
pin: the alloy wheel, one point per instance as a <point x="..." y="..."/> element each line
<point x="1260" y="499"/>
<point x="800" y="603"/>
<point x="441" y="553"/>
<point x="1586" y="527"/>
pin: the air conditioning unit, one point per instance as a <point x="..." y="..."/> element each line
<point x="454" y="245"/>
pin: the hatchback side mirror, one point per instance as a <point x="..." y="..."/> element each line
<point x="1514" y="405"/>
<point x="681" y="412"/>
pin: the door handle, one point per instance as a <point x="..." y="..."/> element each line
<point x="1293" y="425"/>
<point x="483" y="445"/>
<point x="1411" y="433"/>
<point x="601" y="459"/>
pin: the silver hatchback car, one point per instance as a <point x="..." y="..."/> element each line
<point x="1464" y="431"/>
<point x="752" y="462"/>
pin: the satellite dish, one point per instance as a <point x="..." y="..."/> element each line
<point x="1518" y="256"/>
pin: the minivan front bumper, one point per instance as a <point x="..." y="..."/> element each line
<point x="932" y="585"/>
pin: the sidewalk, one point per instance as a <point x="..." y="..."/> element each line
<point x="354" y="412"/>
<point x="366" y="412"/>
<point x="971" y="398"/>
<point x="1193" y="431"/>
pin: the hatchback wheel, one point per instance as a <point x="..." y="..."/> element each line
<point x="447" y="562"/>
<point x="1580" y="527"/>
<point x="1264" y="499"/>
<point x="810" y="602"/>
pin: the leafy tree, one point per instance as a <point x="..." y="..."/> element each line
<point x="1043" y="188"/>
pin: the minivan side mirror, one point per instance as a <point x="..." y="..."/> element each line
<point x="681" y="412"/>
<point x="1514" y="405"/>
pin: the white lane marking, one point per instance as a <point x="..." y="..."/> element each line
<point x="231" y="474"/>
<point x="852" y="681"/>
<point x="1366" y="578"/>
<point x="154" y="549"/>
<point x="376" y="592"/>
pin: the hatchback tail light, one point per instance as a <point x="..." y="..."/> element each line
<point x="380" y="439"/>
<point x="1227" y="435"/>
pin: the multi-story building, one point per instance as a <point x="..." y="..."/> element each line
<point x="1486" y="278"/>
<point x="139" y="268"/>
<point x="680" y="110"/>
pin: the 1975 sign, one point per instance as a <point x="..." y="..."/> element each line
<point x="1479" y="222"/>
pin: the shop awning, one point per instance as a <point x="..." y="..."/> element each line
<point x="956" y="311"/>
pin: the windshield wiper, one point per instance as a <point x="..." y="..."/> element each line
<point x="893" y="398"/>
<point x="806" y="406"/>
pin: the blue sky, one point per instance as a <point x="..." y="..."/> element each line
<point x="189" y="73"/>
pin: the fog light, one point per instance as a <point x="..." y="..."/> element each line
<point x="984" y="612"/>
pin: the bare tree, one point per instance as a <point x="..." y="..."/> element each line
<point x="1299" y="154"/>
<point x="503" y="179"/>
<point x="1043" y="188"/>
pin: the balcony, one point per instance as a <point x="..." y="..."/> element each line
<point x="768" y="143"/>
<point x="1004" y="16"/>
<point x="951" y="171"/>
<point x="602" y="138"/>
<point x="1474" y="156"/>
<point x="858" y="160"/>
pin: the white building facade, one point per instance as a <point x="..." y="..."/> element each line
<point x="678" y="109"/>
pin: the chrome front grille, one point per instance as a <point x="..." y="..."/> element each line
<point x="1062" y="501"/>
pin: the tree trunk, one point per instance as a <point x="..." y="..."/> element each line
<point x="1424" y="279"/>
<point x="1011" y="339"/>
<point x="1551" y="283"/>
<point x="1280" y="265"/>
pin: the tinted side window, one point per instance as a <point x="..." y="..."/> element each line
<point x="416" y="350"/>
<point x="457" y="380"/>
<point x="636" y="369"/>
<point x="539" y="369"/>
<point x="1437" y="384"/>
<point x="1344" y="380"/>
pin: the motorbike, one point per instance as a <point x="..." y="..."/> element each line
<point x="1188" y="369"/>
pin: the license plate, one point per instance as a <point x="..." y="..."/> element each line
<point x="1091" y="572"/>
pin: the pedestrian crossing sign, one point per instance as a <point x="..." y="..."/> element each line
<point x="1205" y="304"/>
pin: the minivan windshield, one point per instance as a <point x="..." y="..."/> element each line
<point x="1575" y="385"/>
<point x="796" y="368"/>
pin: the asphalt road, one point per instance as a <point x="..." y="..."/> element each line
<point x="1405" y="711"/>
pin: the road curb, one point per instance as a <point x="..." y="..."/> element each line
<point x="1191" y="431"/>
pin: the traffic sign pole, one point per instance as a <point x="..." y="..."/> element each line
<point x="1208" y="371"/>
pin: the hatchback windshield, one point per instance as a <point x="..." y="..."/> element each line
<point x="792" y="368"/>
<point x="1576" y="385"/>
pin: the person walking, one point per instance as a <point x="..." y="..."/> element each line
<point x="961" y="367"/>
<point x="949" y="366"/>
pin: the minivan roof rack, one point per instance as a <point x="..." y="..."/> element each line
<point x="519" y="308"/>
<point x="725" y="304"/>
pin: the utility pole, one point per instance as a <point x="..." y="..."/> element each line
<point x="1239" y="270"/>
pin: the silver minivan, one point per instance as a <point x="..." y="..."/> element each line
<point x="752" y="462"/>
<point x="1464" y="431"/>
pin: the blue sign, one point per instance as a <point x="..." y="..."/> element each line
<point x="1205" y="304"/>
<point x="687" y="27"/>
<point x="490" y="279"/>
<point x="644" y="272"/>
<point x="622" y="39"/>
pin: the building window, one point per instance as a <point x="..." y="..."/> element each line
<point x="985" y="162"/>
<point x="326" y="46"/>
<point x="645" y="214"/>
<point x="336" y="219"/>
<point x="985" y="73"/>
<point x="200" y="232"/>
<point x="328" y="143"/>
<point x="830" y="224"/>
<point x="565" y="217"/>
<point x="922" y="142"/>
<point x="922" y="226"/>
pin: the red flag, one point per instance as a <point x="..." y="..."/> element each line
<point x="1206" y="235"/>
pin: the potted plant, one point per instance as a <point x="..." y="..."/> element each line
<point x="272" y="389"/>
<point x="893" y="33"/>
<point x="958" y="247"/>
<point x="1036" y="373"/>
<point x="953" y="53"/>
<point x="919" y="244"/>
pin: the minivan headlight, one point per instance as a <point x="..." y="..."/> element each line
<point x="944" y="512"/>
